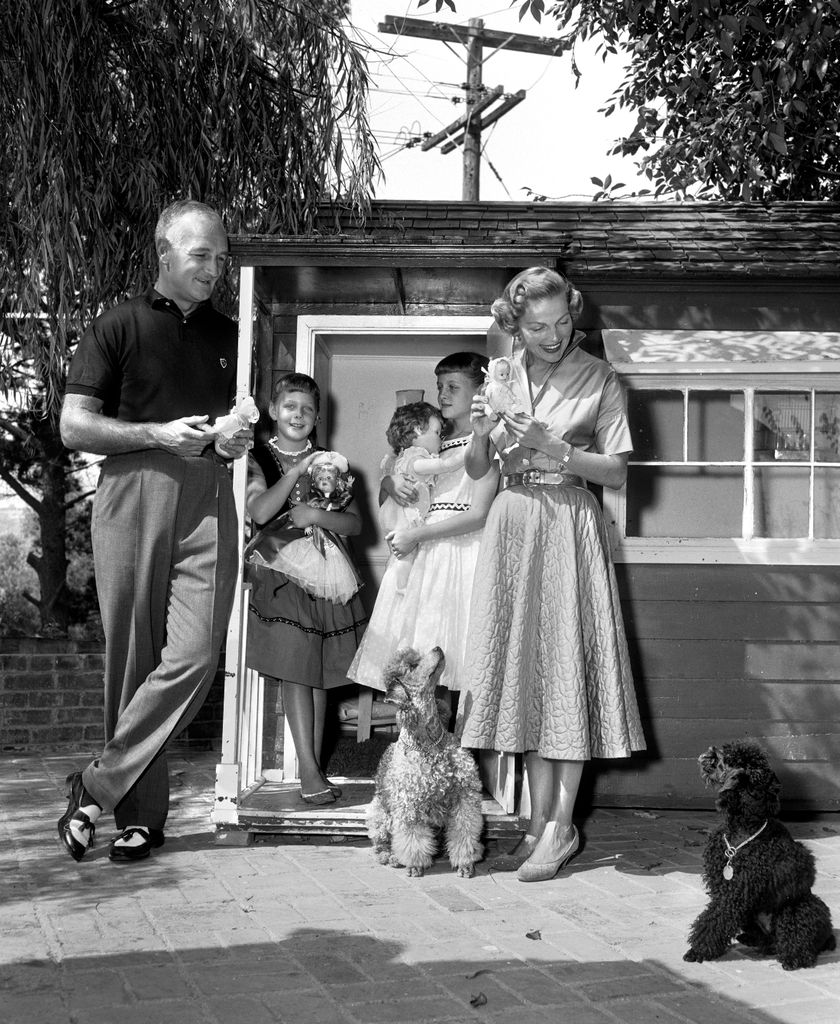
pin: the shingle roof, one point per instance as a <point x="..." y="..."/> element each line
<point x="709" y="239"/>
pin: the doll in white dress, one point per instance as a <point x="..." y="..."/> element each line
<point x="502" y="390"/>
<point x="414" y="436"/>
<point x="502" y="394"/>
<point x="242" y="415"/>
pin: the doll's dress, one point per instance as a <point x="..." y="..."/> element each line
<point x="318" y="561"/>
<point x="503" y="397"/>
<point x="393" y="516"/>
<point x="435" y="607"/>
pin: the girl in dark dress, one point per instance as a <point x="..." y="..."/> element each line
<point x="306" y="641"/>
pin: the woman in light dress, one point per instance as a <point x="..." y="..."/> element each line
<point x="548" y="672"/>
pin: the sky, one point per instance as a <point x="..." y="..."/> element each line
<point x="552" y="143"/>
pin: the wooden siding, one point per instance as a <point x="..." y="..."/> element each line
<point x="719" y="652"/>
<point x="729" y="652"/>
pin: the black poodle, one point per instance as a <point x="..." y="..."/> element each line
<point x="758" y="878"/>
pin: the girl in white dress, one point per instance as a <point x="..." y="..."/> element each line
<point x="434" y="610"/>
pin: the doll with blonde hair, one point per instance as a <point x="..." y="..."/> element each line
<point x="319" y="561"/>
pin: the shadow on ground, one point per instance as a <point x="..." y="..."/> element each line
<point x="335" y="976"/>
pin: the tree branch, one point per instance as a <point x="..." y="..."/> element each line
<point x="34" y="503"/>
<point x="12" y="428"/>
<point x="77" y="499"/>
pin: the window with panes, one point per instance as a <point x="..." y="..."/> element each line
<point x="732" y="461"/>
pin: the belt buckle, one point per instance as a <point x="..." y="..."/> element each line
<point x="532" y="477"/>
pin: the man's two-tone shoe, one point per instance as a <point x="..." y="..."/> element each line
<point x="75" y="829"/>
<point x="124" y="848"/>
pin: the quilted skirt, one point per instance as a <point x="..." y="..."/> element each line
<point x="547" y="664"/>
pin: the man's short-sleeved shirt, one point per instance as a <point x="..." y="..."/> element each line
<point x="148" y="363"/>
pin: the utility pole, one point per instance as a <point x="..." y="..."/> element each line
<point x="472" y="139"/>
<point x="468" y="128"/>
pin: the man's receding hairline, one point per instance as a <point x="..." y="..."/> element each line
<point x="169" y="219"/>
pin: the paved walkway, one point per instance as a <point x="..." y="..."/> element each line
<point x="311" y="931"/>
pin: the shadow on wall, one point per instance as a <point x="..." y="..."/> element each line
<point x="696" y="305"/>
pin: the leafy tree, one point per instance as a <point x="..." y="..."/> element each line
<point x="17" y="615"/>
<point x="110" y="109"/>
<point x="735" y="99"/>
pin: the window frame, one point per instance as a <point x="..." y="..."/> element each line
<point x="675" y="374"/>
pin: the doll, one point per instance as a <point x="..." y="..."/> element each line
<point x="241" y="416"/>
<point x="318" y="561"/>
<point x="414" y="436"/>
<point x="501" y="391"/>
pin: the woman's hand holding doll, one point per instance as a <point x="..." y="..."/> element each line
<point x="482" y="417"/>
<point x="527" y="431"/>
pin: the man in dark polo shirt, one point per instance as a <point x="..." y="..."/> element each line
<point x="148" y="379"/>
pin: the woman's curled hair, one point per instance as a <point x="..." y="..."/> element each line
<point x="528" y="286"/>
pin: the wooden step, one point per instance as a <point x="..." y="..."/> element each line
<point x="277" y="807"/>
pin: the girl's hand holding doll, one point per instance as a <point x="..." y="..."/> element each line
<point x="304" y="515"/>
<point x="402" y="490"/>
<point x="296" y="472"/>
<point x="403" y="541"/>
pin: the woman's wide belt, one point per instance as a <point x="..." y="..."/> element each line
<point x="543" y="478"/>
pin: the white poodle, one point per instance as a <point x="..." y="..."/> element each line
<point x="425" y="781"/>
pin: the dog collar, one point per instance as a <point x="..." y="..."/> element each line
<point x="412" y="741"/>
<point x="728" y="870"/>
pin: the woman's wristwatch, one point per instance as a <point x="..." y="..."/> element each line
<point x="567" y="450"/>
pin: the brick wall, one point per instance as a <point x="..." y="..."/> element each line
<point x="51" y="698"/>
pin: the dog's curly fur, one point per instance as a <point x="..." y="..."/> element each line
<point x="768" y="903"/>
<point x="425" y="782"/>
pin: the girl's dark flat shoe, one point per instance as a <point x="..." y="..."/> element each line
<point x="75" y="793"/>
<point x="331" y="786"/>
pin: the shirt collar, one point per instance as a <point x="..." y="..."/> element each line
<point x="158" y="301"/>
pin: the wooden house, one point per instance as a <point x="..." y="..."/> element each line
<point x="724" y="322"/>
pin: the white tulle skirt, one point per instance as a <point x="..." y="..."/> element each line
<point x="319" y="566"/>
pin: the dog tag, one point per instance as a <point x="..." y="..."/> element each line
<point x="728" y="872"/>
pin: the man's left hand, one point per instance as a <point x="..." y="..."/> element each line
<point x="236" y="446"/>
